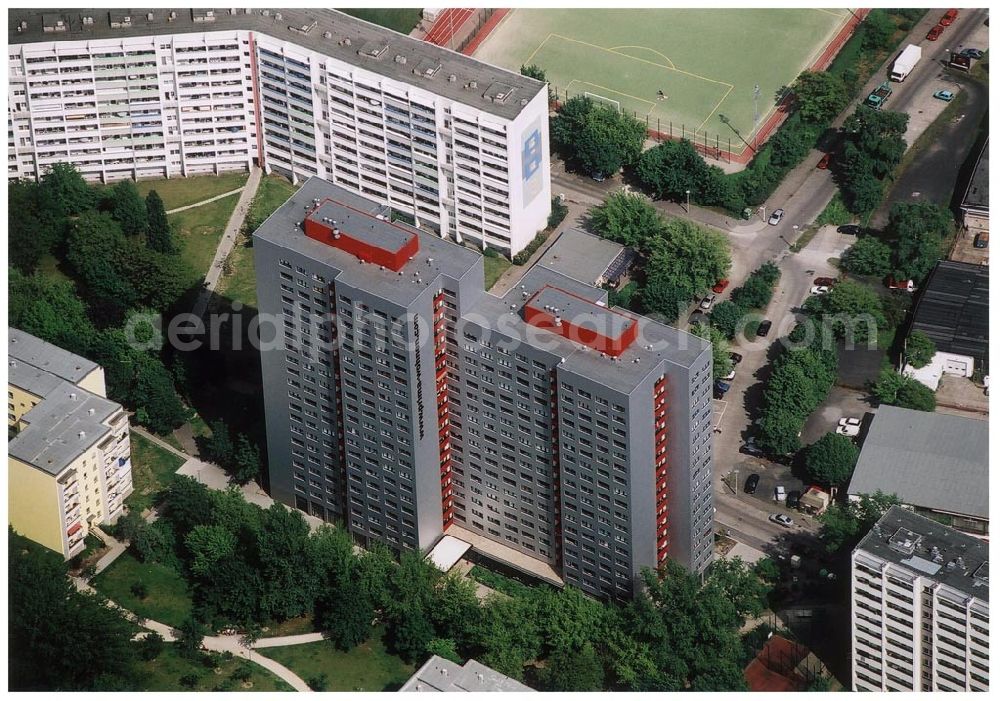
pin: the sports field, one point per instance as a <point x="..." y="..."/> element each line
<point x="706" y="62"/>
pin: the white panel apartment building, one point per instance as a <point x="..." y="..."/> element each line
<point x="459" y="145"/>
<point x="920" y="607"/>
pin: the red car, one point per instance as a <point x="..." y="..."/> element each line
<point x="935" y="32"/>
<point x="824" y="282"/>
<point x="720" y="286"/>
<point x="948" y="17"/>
<point x="824" y="162"/>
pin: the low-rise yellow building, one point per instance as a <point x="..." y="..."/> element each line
<point x="69" y="464"/>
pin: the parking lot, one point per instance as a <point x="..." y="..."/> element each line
<point x="840" y="403"/>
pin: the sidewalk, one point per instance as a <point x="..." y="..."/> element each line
<point x="210" y="199"/>
<point x="228" y="241"/>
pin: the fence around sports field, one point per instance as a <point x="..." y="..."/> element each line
<point x="463" y="29"/>
<point x="735" y="148"/>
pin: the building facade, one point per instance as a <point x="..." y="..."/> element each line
<point x="457" y="145"/>
<point x="920" y="607"/>
<point x="69" y="460"/>
<point x="567" y="433"/>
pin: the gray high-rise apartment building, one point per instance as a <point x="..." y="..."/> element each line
<point x="406" y="401"/>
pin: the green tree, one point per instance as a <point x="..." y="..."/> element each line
<point x="819" y="96"/>
<point x="509" y="635"/>
<point x="727" y="318"/>
<point x="66" y="191"/>
<point x="150" y="646"/>
<point x="219" y="447"/>
<point x="454" y="609"/>
<point x="533" y="71"/>
<point x="920" y="349"/>
<point x="159" y="236"/>
<point x="627" y="218"/>
<point x="344" y="613"/>
<point x="692" y="257"/>
<point x="738" y="582"/>
<point x="596" y="139"/>
<point x="444" y="647"/>
<point x="918" y="229"/>
<point x="869" y="256"/>
<point x="854" y="311"/>
<point x="50" y="310"/>
<point x="208" y="546"/>
<point x="567" y="619"/>
<point x="672" y="169"/>
<point x="877" y="30"/>
<point x="412" y="635"/>
<point x="663" y="296"/>
<point x="767" y="569"/>
<point x="903" y="391"/>
<point x="779" y="432"/>
<point x="573" y="670"/>
<point x="830" y="460"/>
<point x="128" y="209"/>
<point x="60" y="639"/>
<point x="722" y="364"/>
<point x="93" y="250"/>
<point x="844" y="524"/>
<point x="190" y="638"/>
<point x="862" y="193"/>
<point x="758" y="288"/>
<point x="35" y="227"/>
<point x="246" y="460"/>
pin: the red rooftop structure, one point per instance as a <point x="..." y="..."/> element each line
<point x="580" y="320"/>
<point x="369" y="238"/>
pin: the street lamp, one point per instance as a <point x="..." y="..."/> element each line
<point x="688" y="193"/>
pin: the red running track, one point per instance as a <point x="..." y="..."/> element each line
<point x="448" y="24"/>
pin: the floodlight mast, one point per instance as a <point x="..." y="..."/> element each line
<point x="756" y="113"/>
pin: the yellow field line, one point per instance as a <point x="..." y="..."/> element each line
<point x="652" y="105"/>
<point x="714" y="109"/>
<point x="644" y="48"/>
<point x="527" y="61"/>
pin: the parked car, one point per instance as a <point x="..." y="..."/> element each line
<point x="750" y="447"/>
<point x="750" y="486"/>
<point x="948" y="17"/>
<point x="720" y="286"/>
<point x="981" y="241"/>
<point x="736" y="358"/>
<point x="894" y="284"/>
<point x="850" y="229"/>
<point x="730" y="375"/>
<point x="721" y="388"/>
<point x="776" y="216"/>
<point x="935" y="32"/>
<point x="825" y="281"/>
<point x="707" y="302"/>
<point x="824" y="162"/>
<point x="764" y="328"/>
<point x="946" y="95"/>
<point x="793" y="498"/>
<point x="781" y="520"/>
<point x="779" y="493"/>
<point x="697" y="317"/>
<point x="597" y="177"/>
<point x="849" y="426"/>
<point x="972" y="53"/>
<point x="819" y="290"/>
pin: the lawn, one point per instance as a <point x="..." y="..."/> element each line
<point x="199" y="231"/>
<point x="180" y="192"/>
<point x="368" y="667"/>
<point x="293" y="626"/>
<point x="167" y="600"/>
<point x="402" y="19"/>
<point x="494" y="268"/>
<point x="240" y="280"/>
<point x="153" y="468"/>
<point x="48" y="267"/>
<point x="165" y="672"/>
<point x="706" y="61"/>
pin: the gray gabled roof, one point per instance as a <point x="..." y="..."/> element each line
<point x="439" y="674"/>
<point x="936" y="461"/>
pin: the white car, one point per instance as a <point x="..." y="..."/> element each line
<point x="819" y="290"/>
<point x="781" y="519"/>
<point x="707" y="302"/>
<point x="779" y="493"/>
<point x="776" y="216"/>
<point x="849" y="426"/>
<point x="731" y="375"/>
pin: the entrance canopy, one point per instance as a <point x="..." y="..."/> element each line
<point x="447" y="552"/>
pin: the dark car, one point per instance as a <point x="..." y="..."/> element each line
<point x="698" y="317"/>
<point x="851" y="229"/>
<point x="981" y="241"/>
<point x="736" y="358"/>
<point x="972" y="53"/>
<point x="750" y="487"/>
<point x="750" y="447"/>
<point x="764" y="328"/>
<point x="720" y="389"/>
<point x="792" y="500"/>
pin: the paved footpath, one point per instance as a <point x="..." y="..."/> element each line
<point x="175" y="210"/>
<point x="228" y="241"/>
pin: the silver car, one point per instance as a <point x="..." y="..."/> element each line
<point x="776" y="216"/>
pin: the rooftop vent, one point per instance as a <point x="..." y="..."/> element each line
<point x="266" y="13"/>
<point x="471" y="85"/>
<point x="374" y="49"/>
<point x="524" y="101"/>
<point x="88" y="20"/>
<point x="452" y="78"/>
<point x="327" y="34"/>
<point x="81" y="434"/>
<point x="400" y="58"/>
<point x="904" y="541"/>
<point x="982" y="573"/>
<point x="277" y="15"/>
<point x="936" y="555"/>
<point x="499" y="92"/>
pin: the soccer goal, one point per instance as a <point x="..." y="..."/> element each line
<point x="606" y="100"/>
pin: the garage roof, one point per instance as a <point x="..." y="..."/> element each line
<point x="953" y="309"/>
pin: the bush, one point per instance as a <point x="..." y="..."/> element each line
<point x="151" y="646"/>
<point x="920" y="349"/>
<point x="558" y="213"/>
<point x="490" y="253"/>
<point x="139" y="590"/>
<point x="318" y="682"/>
<point x="522" y="257"/>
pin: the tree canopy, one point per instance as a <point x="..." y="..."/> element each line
<point x="845" y="523"/>
<point x="820" y="95"/>
<point x="903" y="391"/>
<point x="868" y="256"/>
<point x="830" y="460"/>
<point x="920" y="349"/>
<point x="596" y="139"/>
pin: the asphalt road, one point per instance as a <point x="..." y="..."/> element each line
<point x="803" y="195"/>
